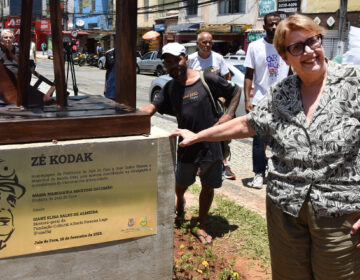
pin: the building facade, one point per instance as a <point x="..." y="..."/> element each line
<point x="94" y="21"/>
<point x="154" y="15"/>
<point x="226" y="20"/>
<point x="10" y="18"/>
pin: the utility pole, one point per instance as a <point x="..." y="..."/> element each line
<point x="342" y="26"/>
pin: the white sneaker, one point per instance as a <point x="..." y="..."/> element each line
<point x="258" y="181"/>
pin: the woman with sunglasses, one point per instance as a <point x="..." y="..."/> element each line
<point x="313" y="191"/>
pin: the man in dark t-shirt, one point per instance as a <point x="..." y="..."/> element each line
<point x="109" y="90"/>
<point x="186" y="97"/>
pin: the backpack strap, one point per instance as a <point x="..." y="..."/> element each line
<point x="170" y="90"/>
<point x="206" y="86"/>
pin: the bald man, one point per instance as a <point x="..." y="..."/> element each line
<point x="206" y="59"/>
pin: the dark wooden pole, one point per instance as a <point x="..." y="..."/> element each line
<point x="24" y="51"/>
<point x="58" y="53"/>
<point x="125" y="52"/>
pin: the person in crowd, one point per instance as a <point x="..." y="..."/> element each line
<point x="99" y="49"/>
<point x="9" y="52"/>
<point x="313" y="194"/>
<point x="240" y="51"/>
<point x="9" y="59"/>
<point x="186" y="97"/>
<point x="264" y="66"/>
<point x="209" y="61"/>
<point x="32" y="56"/>
<point x="43" y="47"/>
<point x="109" y="90"/>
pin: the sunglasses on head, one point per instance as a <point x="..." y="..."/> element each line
<point x="298" y="48"/>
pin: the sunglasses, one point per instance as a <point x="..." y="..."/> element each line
<point x="298" y="48"/>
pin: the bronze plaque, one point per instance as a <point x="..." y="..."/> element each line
<point x="76" y="193"/>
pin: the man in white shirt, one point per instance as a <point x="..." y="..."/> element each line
<point x="209" y="61"/>
<point x="240" y="51"/>
<point x="264" y="66"/>
<point x="32" y="55"/>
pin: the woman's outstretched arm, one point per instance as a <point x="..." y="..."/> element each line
<point x="234" y="129"/>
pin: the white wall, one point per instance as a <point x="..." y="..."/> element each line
<point x="209" y="15"/>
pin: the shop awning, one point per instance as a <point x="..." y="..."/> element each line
<point x="101" y="36"/>
<point x="68" y="32"/>
<point x="185" y="27"/>
<point x="151" y="35"/>
<point x="225" y="28"/>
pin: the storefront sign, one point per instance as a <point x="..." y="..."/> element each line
<point x="330" y="21"/>
<point x="159" y="27"/>
<point x="253" y="36"/>
<point x="266" y="6"/>
<point x="45" y="25"/>
<point x="236" y="29"/>
<point x="288" y="6"/>
<point x="62" y="196"/>
<point x="13" y="22"/>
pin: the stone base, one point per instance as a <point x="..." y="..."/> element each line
<point x="148" y="257"/>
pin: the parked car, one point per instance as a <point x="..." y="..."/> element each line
<point x="190" y="47"/>
<point x="240" y="59"/>
<point x="150" y="62"/>
<point x="237" y="76"/>
<point x="50" y="53"/>
<point x="237" y="65"/>
<point x="101" y="62"/>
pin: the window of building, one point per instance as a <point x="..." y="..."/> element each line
<point x="92" y="25"/>
<point x="80" y="6"/>
<point x="93" y="4"/>
<point x="232" y="6"/>
<point x="192" y="7"/>
<point x="146" y="10"/>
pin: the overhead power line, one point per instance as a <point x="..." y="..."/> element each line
<point x="141" y="10"/>
<point x="206" y="3"/>
<point x="171" y="3"/>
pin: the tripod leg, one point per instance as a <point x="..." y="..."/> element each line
<point x="67" y="68"/>
<point x="73" y="77"/>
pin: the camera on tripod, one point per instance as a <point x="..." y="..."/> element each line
<point x="68" y="55"/>
<point x="69" y="45"/>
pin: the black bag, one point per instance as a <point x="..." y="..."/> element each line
<point x="220" y="109"/>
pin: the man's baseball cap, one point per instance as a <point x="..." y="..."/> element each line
<point x="174" y="49"/>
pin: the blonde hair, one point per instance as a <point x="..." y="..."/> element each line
<point x="292" y="23"/>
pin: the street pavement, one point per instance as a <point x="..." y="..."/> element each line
<point x="238" y="190"/>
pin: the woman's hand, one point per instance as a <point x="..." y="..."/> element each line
<point x="189" y="137"/>
<point x="355" y="230"/>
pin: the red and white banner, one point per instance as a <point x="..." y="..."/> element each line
<point x="45" y="24"/>
<point x="13" y="22"/>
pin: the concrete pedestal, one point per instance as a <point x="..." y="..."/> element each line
<point x="148" y="257"/>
